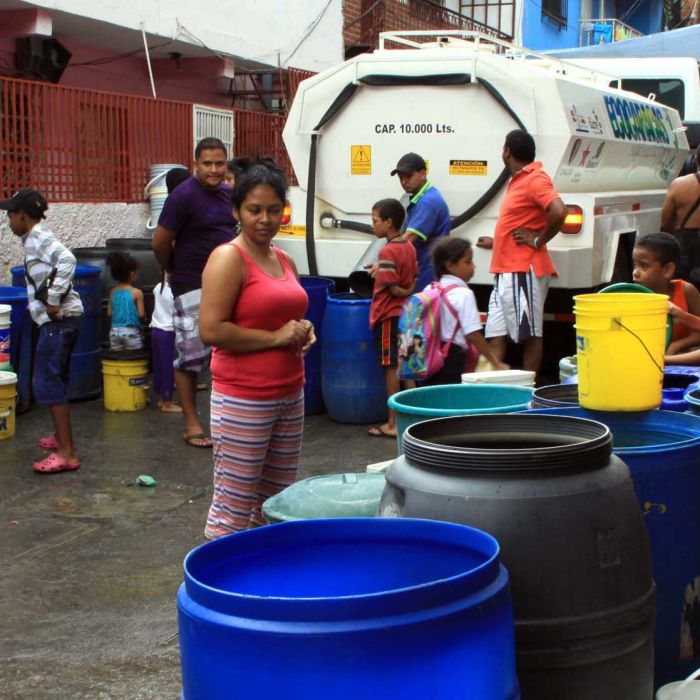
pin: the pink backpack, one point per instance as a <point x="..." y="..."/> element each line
<point x="420" y="351"/>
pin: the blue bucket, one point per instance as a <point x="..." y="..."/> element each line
<point x="415" y="405"/>
<point x="85" y="369"/>
<point x="353" y="384"/>
<point x="662" y="451"/>
<point x="348" y="608"/>
<point x="21" y="351"/>
<point x="317" y="289"/>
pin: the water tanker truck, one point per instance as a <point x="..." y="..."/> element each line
<point x="452" y="97"/>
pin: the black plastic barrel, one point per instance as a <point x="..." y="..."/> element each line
<point x="564" y="510"/>
<point x="555" y="396"/>
<point x="147" y="276"/>
<point x="662" y="451"/>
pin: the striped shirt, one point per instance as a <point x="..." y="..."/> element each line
<point x="42" y="253"/>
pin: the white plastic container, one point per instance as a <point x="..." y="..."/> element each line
<point x="672" y="691"/>
<point x="5" y="311"/>
<point x="518" y="377"/>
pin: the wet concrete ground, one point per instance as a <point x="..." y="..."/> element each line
<point x="91" y="564"/>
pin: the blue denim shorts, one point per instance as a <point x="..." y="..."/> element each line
<point x="52" y="360"/>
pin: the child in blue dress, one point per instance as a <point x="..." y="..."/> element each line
<point x="126" y="308"/>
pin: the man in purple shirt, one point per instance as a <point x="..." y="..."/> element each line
<point x="197" y="217"/>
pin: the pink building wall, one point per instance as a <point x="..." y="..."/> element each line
<point x="191" y="79"/>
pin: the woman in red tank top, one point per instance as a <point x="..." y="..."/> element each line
<point x="252" y="314"/>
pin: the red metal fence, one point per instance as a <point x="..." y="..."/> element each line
<point x="259" y="135"/>
<point x="79" y="145"/>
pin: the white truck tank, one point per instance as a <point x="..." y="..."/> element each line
<point x="610" y="153"/>
<point x="672" y="81"/>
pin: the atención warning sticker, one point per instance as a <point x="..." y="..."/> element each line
<point x="468" y="167"/>
<point x="292" y="230"/>
<point x="360" y="160"/>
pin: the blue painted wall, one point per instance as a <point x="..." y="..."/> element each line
<point x="541" y="33"/>
<point x="647" y="17"/>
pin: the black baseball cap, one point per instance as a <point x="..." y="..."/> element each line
<point x="31" y="202"/>
<point x="409" y="163"/>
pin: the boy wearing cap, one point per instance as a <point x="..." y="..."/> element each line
<point x="427" y="215"/>
<point x="56" y="308"/>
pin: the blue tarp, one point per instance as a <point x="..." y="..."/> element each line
<point x="678" y="42"/>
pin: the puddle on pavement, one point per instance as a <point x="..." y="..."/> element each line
<point x="105" y="500"/>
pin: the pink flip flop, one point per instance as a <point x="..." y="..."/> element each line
<point x="54" y="464"/>
<point x="49" y="442"/>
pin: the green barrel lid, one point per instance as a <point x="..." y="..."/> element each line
<point x="330" y="496"/>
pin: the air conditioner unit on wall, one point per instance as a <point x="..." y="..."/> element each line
<point x="41" y="57"/>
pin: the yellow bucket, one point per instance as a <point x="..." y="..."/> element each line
<point x="125" y="384"/>
<point x="620" y="342"/>
<point x="8" y="396"/>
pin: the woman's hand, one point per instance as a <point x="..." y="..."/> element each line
<point x="292" y="333"/>
<point x="310" y="337"/>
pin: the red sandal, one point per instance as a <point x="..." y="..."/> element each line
<point x="49" y="442"/>
<point x="54" y="464"/>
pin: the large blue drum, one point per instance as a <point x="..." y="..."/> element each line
<point x="21" y="352"/>
<point x="353" y="384"/>
<point x="317" y="289"/>
<point x="348" y="608"/>
<point x="85" y="369"/>
<point x="662" y="451"/>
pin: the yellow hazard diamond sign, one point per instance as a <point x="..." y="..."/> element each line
<point x="360" y="160"/>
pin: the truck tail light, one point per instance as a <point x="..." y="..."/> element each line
<point x="573" y="223"/>
<point x="286" y="214"/>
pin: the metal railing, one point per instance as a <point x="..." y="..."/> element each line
<point x="79" y="145"/>
<point x="363" y="26"/>
<point x="604" y="31"/>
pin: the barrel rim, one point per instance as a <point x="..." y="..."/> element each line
<point x="394" y="400"/>
<point x="590" y="453"/>
<point x="421" y="597"/>
<point x="349" y="298"/>
<point x="676" y="420"/>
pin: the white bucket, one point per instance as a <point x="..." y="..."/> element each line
<point x="5" y="311"/>
<point x="514" y="377"/>
<point x="156" y="191"/>
<point x="672" y="691"/>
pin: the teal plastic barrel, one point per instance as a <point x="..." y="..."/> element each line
<point x="330" y="496"/>
<point x="348" y="609"/>
<point x="415" y="405"/>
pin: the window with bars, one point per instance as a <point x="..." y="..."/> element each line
<point x="216" y="123"/>
<point x="555" y="10"/>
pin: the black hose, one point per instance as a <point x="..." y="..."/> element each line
<point x="310" y="197"/>
<point x="383" y="80"/>
<point x="352" y="226"/>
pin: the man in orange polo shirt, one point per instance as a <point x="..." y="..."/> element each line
<point x="531" y="214"/>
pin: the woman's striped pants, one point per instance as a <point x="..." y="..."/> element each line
<point x="256" y="454"/>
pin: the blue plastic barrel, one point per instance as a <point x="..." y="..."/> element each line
<point x="21" y="352"/>
<point x="318" y="289"/>
<point x="85" y="368"/>
<point x="348" y="608"/>
<point x="351" y="379"/>
<point x="662" y="451"/>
